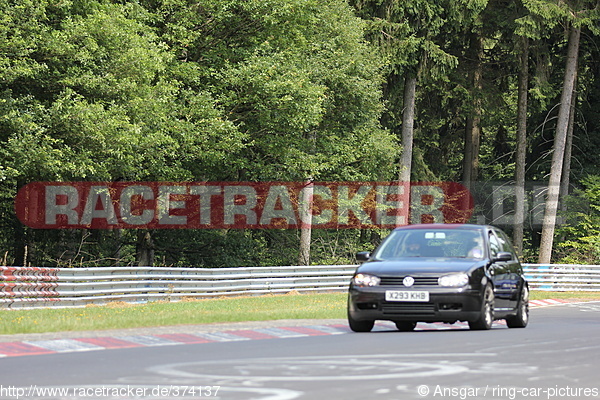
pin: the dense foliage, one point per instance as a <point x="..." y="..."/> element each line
<point x="288" y="90"/>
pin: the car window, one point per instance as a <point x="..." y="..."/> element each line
<point x="504" y="241"/>
<point x="495" y="247"/>
<point x="455" y="243"/>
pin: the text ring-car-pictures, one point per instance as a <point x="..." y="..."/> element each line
<point x="439" y="273"/>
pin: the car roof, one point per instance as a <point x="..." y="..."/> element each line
<point x="445" y="226"/>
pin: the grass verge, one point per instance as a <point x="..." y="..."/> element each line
<point x="540" y="295"/>
<point x="120" y="315"/>
<point x="237" y="309"/>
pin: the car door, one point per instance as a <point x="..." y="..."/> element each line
<point x="499" y="273"/>
<point x="515" y="271"/>
<point x="504" y="272"/>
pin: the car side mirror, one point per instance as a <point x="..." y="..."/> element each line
<point x="363" y="256"/>
<point x="503" y="256"/>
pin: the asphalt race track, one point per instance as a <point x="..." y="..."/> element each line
<point x="556" y="357"/>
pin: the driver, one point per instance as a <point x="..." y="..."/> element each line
<point x="412" y="246"/>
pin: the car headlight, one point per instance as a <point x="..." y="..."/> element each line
<point x="454" y="280"/>
<point x="365" y="280"/>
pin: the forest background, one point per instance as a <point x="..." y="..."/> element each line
<point x="488" y="93"/>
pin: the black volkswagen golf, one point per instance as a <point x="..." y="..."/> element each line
<point x="439" y="273"/>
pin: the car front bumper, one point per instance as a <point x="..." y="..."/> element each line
<point x="444" y="305"/>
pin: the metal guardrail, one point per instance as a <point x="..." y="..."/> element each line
<point x="562" y="277"/>
<point x="30" y="287"/>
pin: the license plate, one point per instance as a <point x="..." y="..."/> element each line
<point x="401" y="295"/>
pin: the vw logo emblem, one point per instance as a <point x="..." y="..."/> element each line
<point x="408" y="281"/>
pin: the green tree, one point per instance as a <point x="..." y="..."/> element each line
<point x="580" y="234"/>
<point x="579" y="14"/>
<point x="94" y="98"/>
<point x="182" y="90"/>
<point x="407" y="33"/>
<point x="296" y="77"/>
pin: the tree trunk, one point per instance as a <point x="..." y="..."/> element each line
<point x="566" y="174"/>
<point x="558" y="155"/>
<point x="473" y="128"/>
<point x="408" y="123"/>
<point x="306" y="203"/>
<point x="520" y="156"/>
<point x="118" y="238"/>
<point x="144" y="248"/>
<point x="19" y="237"/>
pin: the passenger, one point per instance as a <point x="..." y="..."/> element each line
<point x="476" y="250"/>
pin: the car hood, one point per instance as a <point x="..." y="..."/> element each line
<point x="417" y="265"/>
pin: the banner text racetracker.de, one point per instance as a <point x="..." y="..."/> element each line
<point x="240" y="205"/>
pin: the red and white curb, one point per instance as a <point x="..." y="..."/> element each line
<point x="54" y="346"/>
<point x="548" y="302"/>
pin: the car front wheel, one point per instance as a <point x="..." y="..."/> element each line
<point x="521" y="319"/>
<point x="405" y="326"/>
<point x="360" y="326"/>
<point x="486" y="317"/>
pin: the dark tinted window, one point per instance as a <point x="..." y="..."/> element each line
<point x="504" y="241"/>
<point x="456" y="243"/>
<point x="495" y="246"/>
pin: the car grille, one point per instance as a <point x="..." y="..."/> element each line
<point x="419" y="281"/>
<point x="407" y="309"/>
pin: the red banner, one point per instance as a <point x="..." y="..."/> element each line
<point x="240" y="205"/>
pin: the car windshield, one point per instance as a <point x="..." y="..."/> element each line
<point x="455" y="243"/>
